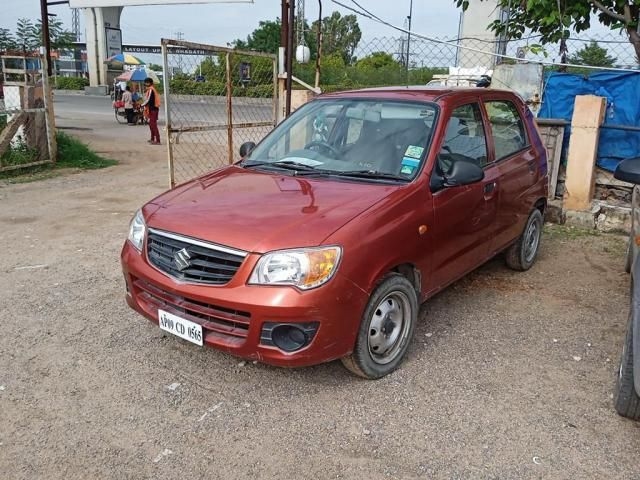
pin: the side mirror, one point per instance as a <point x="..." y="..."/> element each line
<point x="245" y="148"/>
<point x="463" y="173"/>
<point x="628" y="170"/>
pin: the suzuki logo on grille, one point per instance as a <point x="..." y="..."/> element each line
<point x="181" y="259"/>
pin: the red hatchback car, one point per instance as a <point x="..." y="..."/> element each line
<point x="322" y="242"/>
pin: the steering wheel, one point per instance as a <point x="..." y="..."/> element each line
<point x="325" y="145"/>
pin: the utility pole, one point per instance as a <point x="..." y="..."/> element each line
<point x="46" y="40"/>
<point x="409" y="36"/>
<point x="292" y="19"/>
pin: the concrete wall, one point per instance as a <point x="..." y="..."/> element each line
<point x="96" y="20"/>
<point x="475" y="21"/>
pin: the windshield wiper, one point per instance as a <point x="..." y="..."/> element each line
<point x="285" y="164"/>
<point x="370" y="174"/>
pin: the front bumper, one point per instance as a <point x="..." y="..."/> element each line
<point x="233" y="315"/>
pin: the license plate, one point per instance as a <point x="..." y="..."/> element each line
<point x="180" y="327"/>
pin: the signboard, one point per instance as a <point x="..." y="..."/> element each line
<point x="114" y="41"/>
<point x="151" y="49"/>
<point x="158" y="50"/>
<point x="125" y="3"/>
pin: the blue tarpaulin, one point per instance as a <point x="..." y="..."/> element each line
<point x="622" y="90"/>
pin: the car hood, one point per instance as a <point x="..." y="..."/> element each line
<point x="258" y="212"/>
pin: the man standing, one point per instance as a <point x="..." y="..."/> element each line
<point x="127" y="98"/>
<point x="151" y="106"/>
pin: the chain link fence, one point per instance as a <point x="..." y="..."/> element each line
<point x="416" y="61"/>
<point x="25" y="134"/>
<point x="216" y="99"/>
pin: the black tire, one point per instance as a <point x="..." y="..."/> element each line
<point x="377" y="353"/>
<point x="120" y="115"/>
<point x="522" y="254"/>
<point x="626" y="398"/>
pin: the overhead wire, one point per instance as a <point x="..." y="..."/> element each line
<point x="368" y="14"/>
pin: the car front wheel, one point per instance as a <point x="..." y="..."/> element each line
<point x="626" y="398"/>
<point x="385" y="330"/>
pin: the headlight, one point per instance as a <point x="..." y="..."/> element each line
<point x="304" y="268"/>
<point x="136" y="230"/>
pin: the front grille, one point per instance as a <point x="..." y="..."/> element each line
<point x="205" y="263"/>
<point x="232" y="324"/>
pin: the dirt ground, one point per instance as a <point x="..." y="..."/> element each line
<point x="509" y="376"/>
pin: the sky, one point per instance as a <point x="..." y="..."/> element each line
<point x="222" y="23"/>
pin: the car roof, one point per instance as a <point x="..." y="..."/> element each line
<point x="417" y="92"/>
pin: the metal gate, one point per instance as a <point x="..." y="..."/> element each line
<point x="216" y="99"/>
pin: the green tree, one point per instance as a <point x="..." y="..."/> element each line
<point x="26" y="36"/>
<point x="59" y="37"/>
<point x="339" y="35"/>
<point x="155" y="67"/>
<point x="7" y="41"/>
<point x="265" y="38"/>
<point x="593" y="55"/>
<point x="377" y="60"/>
<point x="554" y="19"/>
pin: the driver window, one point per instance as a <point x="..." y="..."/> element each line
<point x="464" y="137"/>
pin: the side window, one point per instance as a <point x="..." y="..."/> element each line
<point x="464" y="137"/>
<point x="507" y="128"/>
<point x="354" y="130"/>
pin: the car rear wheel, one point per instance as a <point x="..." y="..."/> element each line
<point x="626" y="398"/>
<point x="629" y="260"/>
<point x="522" y="254"/>
<point x="385" y="330"/>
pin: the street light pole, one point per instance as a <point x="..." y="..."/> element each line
<point x="46" y="40"/>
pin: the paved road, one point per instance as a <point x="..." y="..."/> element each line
<point x="188" y="111"/>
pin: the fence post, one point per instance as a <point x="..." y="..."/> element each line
<point x="276" y="99"/>
<point x="167" y="112"/>
<point x="50" y="121"/>
<point x="580" y="182"/>
<point x="229" y="109"/>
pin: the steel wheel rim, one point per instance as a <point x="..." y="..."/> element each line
<point x="389" y="328"/>
<point x="531" y="241"/>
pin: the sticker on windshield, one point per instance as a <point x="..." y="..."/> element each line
<point x="407" y="170"/>
<point x="410" y="162"/>
<point x="414" y="151"/>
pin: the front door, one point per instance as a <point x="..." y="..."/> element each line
<point x="463" y="215"/>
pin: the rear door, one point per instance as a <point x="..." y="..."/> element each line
<point x="516" y="161"/>
<point x="464" y="215"/>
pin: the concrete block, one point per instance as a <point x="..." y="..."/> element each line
<point x="613" y="218"/>
<point x="100" y="90"/>
<point x="579" y="218"/>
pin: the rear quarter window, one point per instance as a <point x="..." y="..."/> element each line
<point x="507" y="128"/>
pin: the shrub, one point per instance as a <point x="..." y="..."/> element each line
<point x="71" y="83"/>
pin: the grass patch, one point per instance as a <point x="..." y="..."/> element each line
<point x="613" y="244"/>
<point x="564" y="232"/>
<point x="72" y="153"/>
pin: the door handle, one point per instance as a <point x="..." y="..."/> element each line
<point x="489" y="187"/>
<point x="532" y="166"/>
<point x="489" y="190"/>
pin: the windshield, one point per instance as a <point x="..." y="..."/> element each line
<point x="368" y="139"/>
